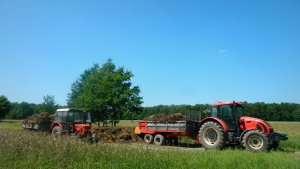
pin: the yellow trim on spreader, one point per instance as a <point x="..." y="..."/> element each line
<point x="137" y="130"/>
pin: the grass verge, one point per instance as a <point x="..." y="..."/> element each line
<point x="24" y="149"/>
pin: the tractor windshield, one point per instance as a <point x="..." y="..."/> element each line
<point x="239" y="110"/>
<point x="78" y="117"/>
<point x="72" y="116"/>
<point x="88" y="119"/>
<point x="82" y="117"/>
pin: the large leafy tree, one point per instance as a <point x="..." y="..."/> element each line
<point x="77" y="86"/>
<point x="4" y="106"/>
<point x="107" y="92"/>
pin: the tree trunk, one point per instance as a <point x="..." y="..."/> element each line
<point x="112" y="123"/>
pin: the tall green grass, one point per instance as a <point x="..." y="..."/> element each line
<point x="11" y="124"/>
<point x="23" y="149"/>
<point x="292" y="129"/>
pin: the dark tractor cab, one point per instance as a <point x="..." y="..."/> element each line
<point x="71" y="121"/>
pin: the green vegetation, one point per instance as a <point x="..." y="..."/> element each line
<point x="293" y="131"/>
<point x="11" y="124"/>
<point x="106" y="92"/>
<point x="26" y="149"/>
<point x="4" y="106"/>
<point x="265" y="111"/>
<point x="24" y="109"/>
<point x="22" y="149"/>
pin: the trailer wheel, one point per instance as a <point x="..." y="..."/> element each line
<point x="212" y="135"/>
<point x="148" y="138"/>
<point x="56" y="131"/>
<point x="255" y="140"/>
<point x="159" y="140"/>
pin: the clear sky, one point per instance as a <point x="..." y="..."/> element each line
<point x="181" y="52"/>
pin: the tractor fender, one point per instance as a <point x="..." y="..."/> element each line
<point x="242" y="134"/>
<point x="56" y="124"/>
<point x="221" y="122"/>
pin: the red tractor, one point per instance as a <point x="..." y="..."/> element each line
<point x="226" y="125"/>
<point x="71" y="121"/>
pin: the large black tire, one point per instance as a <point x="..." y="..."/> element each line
<point x="255" y="140"/>
<point x="212" y="135"/>
<point x="148" y="138"/>
<point x="56" y="131"/>
<point x="159" y="140"/>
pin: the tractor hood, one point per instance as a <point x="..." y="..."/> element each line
<point x="251" y="123"/>
<point x="250" y="119"/>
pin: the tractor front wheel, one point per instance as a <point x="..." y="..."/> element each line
<point x="212" y="135"/>
<point x="56" y="131"/>
<point x="255" y="140"/>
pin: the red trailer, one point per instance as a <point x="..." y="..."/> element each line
<point x="160" y="132"/>
<point x="225" y="125"/>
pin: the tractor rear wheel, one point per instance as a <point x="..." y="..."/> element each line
<point x="148" y="138"/>
<point x="56" y="131"/>
<point x="255" y="140"/>
<point x="159" y="140"/>
<point x="212" y="135"/>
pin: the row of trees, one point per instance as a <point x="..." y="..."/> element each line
<point x="107" y="92"/>
<point x="22" y="110"/>
<point x="266" y="111"/>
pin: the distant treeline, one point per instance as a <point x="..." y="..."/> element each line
<point x="266" y="111"/>
<point x="23" y="110"/>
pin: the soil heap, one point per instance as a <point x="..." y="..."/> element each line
<point x="163" y="117"/>
<point x="43" y="117"/>
<point x="117" y="134"/>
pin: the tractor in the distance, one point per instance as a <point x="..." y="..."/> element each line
<point x="71" y="121"/>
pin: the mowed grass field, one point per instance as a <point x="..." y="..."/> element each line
<point x="26" y="149"/>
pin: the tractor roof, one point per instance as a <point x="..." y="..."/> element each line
<point x="68" y="109"/>
<point x="226" y="103"/>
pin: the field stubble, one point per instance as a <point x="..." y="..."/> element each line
<point x="25" y="149"/>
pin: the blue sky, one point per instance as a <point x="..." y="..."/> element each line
<point x="181" y="52"/>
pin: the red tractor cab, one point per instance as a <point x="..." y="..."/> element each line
<point x="71" y="121"/>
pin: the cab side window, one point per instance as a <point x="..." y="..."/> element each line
<point x="225" y="111"/>
<point x="214" y="111"/>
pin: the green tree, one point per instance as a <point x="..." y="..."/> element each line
<point x="106" y="92"/>
<point x="21" y="110"/>
<point x="77" y="86"/>
<point x="49" y="105"/>
<point x="4" y="106"/>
